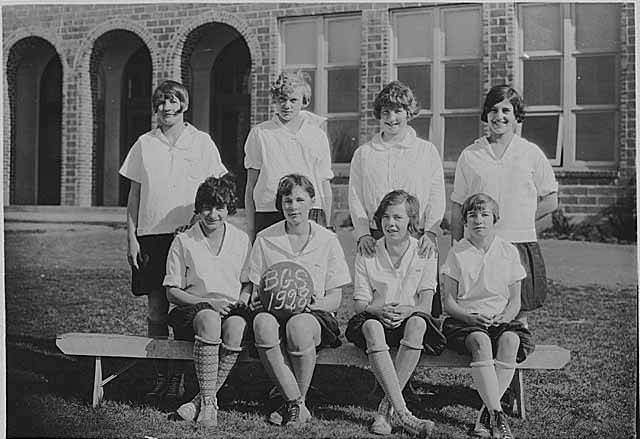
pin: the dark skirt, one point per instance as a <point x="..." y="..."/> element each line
<point x="329" y="328"/>
<point x="433" y="342"/>
<point x="153" y="250"/>
<point x="534" y="287"/>
<point x="457" y="332"/>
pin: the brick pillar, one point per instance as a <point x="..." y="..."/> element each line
<point x="498" y="40"/>
<point x="627" y="146"/>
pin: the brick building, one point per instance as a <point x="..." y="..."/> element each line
<point x="78" y="80"/>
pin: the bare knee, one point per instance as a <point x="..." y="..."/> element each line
<point x="373" y="332"/>
<point x="479" y="344"/>
<point x="303" y="331"/>
<point x="233" y="331"/>
<point x="414" y="330"/>
<point x="266" y="329"/>
<point x="508" y="345"/>
<point x="206" y="324"/>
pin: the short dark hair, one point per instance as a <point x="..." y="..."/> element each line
<point x="167" y="89"/>
<point x="478" y="202"/>
<point x="396" y="95"/>
<point x="288" y="82"/>
<point x="498" y="94"/>
<point x="217" y="193"/>
<point x="398" y="197"/>
<point x="286" y="185"/>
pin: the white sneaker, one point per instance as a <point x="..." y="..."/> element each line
<point x="189" y="410"/>
<point x="382" y="420"/>
<point x="418" y="427"/>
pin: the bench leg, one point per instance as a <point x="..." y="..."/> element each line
<point x="98" y="391"/>
<point x="518" y="387"/>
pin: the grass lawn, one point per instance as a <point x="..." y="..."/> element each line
<point x="65" y="281"/>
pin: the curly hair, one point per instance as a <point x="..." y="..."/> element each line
<point x="498" y="94"/>
<point x="396" y="95"/>
<point x="288" y="82"/>
<point x="217" y="193"/>
<point x="411" y="204"/>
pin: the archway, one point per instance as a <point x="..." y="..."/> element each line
<point x="34" y="74"/>
<point x="120" y="71"/>
<point x="216" y="67"/>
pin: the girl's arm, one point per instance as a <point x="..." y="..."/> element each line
<point x="546" y="204"/>
<point x="330" y="302"/>
<point x="133" y="207"/>
<point x="327" y="200"/>
<point x="249" y="203"/>
<point x="457" y="225"/>
<point x="513" y="305"/>
<point x="245" y="293"/>
<point x="425" y="301"/>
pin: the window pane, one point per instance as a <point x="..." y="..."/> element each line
<point x="597" y="26"/>
<point x="595" y="136"/>
<point x="343" y="136"/>
<point x="421" y="125"/>
<point x="459" y="132"/>
<point x="343" y="38"/>
<point x="595" y="80"/>
<point x="343" y="90"/>
<point x="543" y="131"/>
<point x="418" y="78"/>
<point x="542" y="82"/>
<point x="462" y="86"/>
<point x="466" y="44"/>
<point x="542" y="27"/>
<point x="300" y="42"/>
<point x="414" y="35"/>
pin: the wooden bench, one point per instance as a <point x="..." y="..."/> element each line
<point x="134" y="347"/>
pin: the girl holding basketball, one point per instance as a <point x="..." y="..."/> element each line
<point x="393" y="293"/>
<point x="285" y="338"/>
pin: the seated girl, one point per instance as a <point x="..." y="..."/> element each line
<point x="208" y="289"/>
<point x="287" y="346"/>
<point x="393" y="294"/>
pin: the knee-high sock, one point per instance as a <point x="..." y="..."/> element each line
<point x="205" y="358"/>
<point x="273" y="361"/>
<point x="303" y="363"/>
<point x="504" y="373"/>
<point x="406" y="361"/>
<point x="385" y="373"/>
<point x="228" y="359"/>
<point x="486" y="383"/>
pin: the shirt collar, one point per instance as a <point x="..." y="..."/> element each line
<point x="276" y="235"/>
<point x="183" y="141"/>
<point x="383" y="254"/>
<point x="407" y="142"/>
<point x="484" y="143"/>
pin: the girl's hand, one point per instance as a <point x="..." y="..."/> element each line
<point x="134" y="257"/>
<point x="428" y="245"/>
<point x="221" y="306"/>
<point x="402" y="312"/>
<point x="499" y="319"/>
<point x="479" y="320"/>
<point x="255" y="304"/>
<point x="366" y="245"/>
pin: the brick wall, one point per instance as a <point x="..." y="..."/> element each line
<point x="168" y="29"/>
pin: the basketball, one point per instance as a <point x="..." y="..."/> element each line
<point x="286" y="289"/>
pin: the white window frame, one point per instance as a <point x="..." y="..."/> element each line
<point x="437" y="113"/>
<point x="568" y="108"/>
<point x="321" y="70"/>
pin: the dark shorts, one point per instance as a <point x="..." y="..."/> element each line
<point x="181" y="320"/>
<point x="433" y="342"/>
<point x="329" y="329"/>
<point x="153" y="250"/>
<point x="266" y="219"/>
<point x="534" y="287"/>
<point x="457" y="332"/>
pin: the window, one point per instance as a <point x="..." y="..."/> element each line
<point x="328" y="48"/>
<point x="442" y="65"/>
<point x="568" y="70"/>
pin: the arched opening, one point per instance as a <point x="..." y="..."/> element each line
<point x="120" y="71"/>
<point x="216" y="67"/>
<point x="34" y="72"/>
